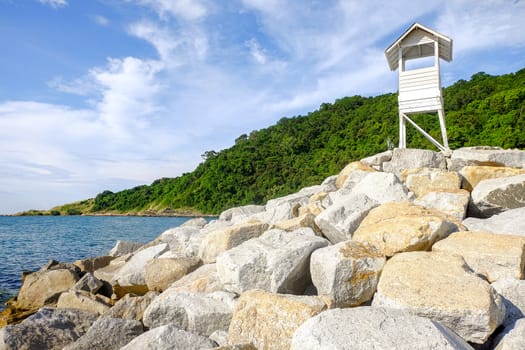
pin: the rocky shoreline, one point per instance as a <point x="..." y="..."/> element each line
<point x="406" y="249"/>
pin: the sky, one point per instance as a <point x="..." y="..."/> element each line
<point x="107" y="95"/>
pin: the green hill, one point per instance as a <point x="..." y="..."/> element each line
<point x="303" y="150"/>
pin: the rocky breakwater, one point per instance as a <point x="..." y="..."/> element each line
<point x="407" y="249"/>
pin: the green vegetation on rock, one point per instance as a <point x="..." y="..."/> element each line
<point x="304" y="150"/>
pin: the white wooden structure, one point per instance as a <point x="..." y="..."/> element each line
<point x="420" y="88"/>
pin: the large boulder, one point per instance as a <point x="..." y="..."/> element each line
<point x="512" y="292"/>
<point x="239" y="214"/>
<point x="284" y="208"/>
<point x="424" y="180"/>
<point x="169" y="337"/>
<point x="43" y="287"/>
<point x="88" y="283"/>
<point x="374" y="328"/>
<point x="383" y="188"/>
<point x="403" y="227"/>
<point x="161" y="273"/>
<point x="48" y="329"/>
<point x="183" y="240"/>
<point x="376" y="161"/>
<point x="303" y="220"/>
<point x="483" y="155"/>
<point x="494" y="196"/>
<point x="441" y="287"/>
<point x="108" y="334"/>
<point x="198" y="313"/>
<point x="222" y="240"/>
<point x="512" y="337"/>
<point x="473" y="175"/>
<point x="269" y="320"/>
<point x="130" y="307"/>
<point x="131" y="277"/>
<point x="92" y="264"/>
<point x="106" y="273"/>
<point x="339" y="221"/>
<point x="278" y="261"/>
<point x="205" y="279"/>
<point x="347" y="272"/>
<point x="123" y="248"/>
<point x="491" y="255"/>
<point x="410" y="158"/>
<point x="450" y="202"/>
<point x="508" y="222"/>
<point x="82" y="300"/>
<point x="348" y="170"/>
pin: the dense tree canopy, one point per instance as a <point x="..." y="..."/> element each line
<point x="303" y="150"/>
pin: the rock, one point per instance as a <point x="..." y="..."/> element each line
<point x="281" y="209"/>
<point x="88" y="283"/>
<point x="410" y="158"/>
<point x="512" y="337"/>
<point x="328" y="184"/>
<point x="491" y="255"/>
<point x="494" y="196"/>
<point x="403" y="227"/>
<point x="240" y="214"/>
<point x="198" y="313"/>
<point x="304" y="220"/>
<point x="347" y="272"/>
<point x="131" y="277"/>
<point x="473" y="175"/>
<point x="376" y="161"/>
<point x="123" y="248"/>
<point x="43" y="287"/>
<point x="236" y="347"/>
<point x="108" y="334"/>
<point x="183" y="240"/>
<point x="220" y="241"/>
<point x="508" y="222"/>
<point x="203" y="280"/>
<point x="195" y="222"/>
<point x="382" y="187"/>
<point x="106" y="273"/>
<point x="373" y="328"/>
<point x="349" y="169"/>
<point x="512" y="292"/>
<point x="83" y="300"/>
<point x="443" y="288"/>
<point x="220" y="337"/>
<point x="92" y="264"/>
<point x="278" y="261"/>
<point x="49" y="328"/>
<point x="169" y="337"/>
<point x="424" y="180"/>
<point x="450" y="202"/>
<point x="130" y="307"/>
<point x="483" y="155"/>
<point x="351" y="182"/>
<point x="269" y="320"/>
<point x="314" y="205"/>
<point x="339" y="221"/>
<point x="161" y="273"/>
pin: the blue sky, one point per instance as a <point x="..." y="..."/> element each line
<point x="107" y="94"/>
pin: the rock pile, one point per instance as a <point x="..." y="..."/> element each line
<point x="407" y="249"/>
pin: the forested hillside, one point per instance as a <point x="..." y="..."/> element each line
<point x="303" y="150"/>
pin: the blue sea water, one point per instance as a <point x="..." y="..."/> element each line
<point x="28" y="242"/>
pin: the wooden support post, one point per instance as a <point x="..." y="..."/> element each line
<point x="443" y="126"/>
<point x="402" y="131"/>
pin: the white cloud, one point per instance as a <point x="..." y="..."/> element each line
<point x="186" y="9"/>
<point x="175" y="47"/>
<point x="100" y="20"/>
<point x="256" y="51"/>
<point x="475" y="25"/>
<point x="54" y="3"/>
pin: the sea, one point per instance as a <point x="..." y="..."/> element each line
<point x="28" y="242"/>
